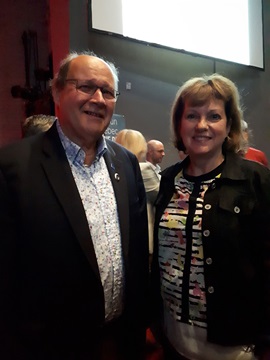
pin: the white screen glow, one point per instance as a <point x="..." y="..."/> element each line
<point x="224" y="29"/>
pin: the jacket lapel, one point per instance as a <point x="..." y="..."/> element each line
<point x="119" y="183"/>
<point x="59" y="174"/>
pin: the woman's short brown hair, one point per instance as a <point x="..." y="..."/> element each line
<point x="200" y="90"/>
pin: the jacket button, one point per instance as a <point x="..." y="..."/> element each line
<point x="207" y="207"/>
<point x="210" y="289"/>
<point x="209" y="261"/>
<point x="206" y="233"/>
<point x="236" y="209"/>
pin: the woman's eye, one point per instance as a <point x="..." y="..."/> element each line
<point x="190" y="116"/>
<point x="214" y="117"/>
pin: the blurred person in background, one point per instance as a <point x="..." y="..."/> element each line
<point x="134" y="141"/>
<point x="249" y="152"/>
<point x="151" y="178"/>
<point x="155" y="154"/>
<point x="35" y="124"/>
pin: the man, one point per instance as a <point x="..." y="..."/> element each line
<point x="155" y="154"/>
<point x="74" y="247"/>
<point x="151" y="178"/>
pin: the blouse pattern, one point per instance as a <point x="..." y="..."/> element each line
<point x="181" y="257"/>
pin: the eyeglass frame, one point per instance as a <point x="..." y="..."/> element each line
<point x="104" y="90"/>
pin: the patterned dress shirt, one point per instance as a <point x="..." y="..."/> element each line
<point x="98" y="198"/>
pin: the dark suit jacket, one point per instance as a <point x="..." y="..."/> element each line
<point x="52" y="301"/>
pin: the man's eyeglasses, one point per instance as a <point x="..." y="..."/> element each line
<point x="89" y="88"/>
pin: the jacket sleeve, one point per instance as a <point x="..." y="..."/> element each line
<point x="8" y="271"/>
<point x="261" y="185"/>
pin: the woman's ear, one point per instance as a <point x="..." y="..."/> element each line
<point x="229" y="123"/>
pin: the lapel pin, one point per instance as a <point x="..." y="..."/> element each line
<point x="116" y="176"/>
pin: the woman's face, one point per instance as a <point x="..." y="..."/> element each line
<point x="203" y="129"/>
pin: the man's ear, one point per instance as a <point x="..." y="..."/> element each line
<point x="56" y="95"/>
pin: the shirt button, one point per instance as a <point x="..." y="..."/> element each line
<point x="236" y="209"/>
<point x="207" y="207"/>
<point x="210" y="289"/>
<point x="209" y="261"/>
<point x="206" y="233"/>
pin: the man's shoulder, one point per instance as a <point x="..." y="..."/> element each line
<point x="18" y="151"/>
<point x="146" y="166"/>
<point x="15" y="147"/>
<point x="147" y="170"/>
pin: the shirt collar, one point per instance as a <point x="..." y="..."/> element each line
<point x="155" y="167"/>
<point x="74" y="152"/>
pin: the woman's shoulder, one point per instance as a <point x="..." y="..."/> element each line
<point x="238" y="167"/>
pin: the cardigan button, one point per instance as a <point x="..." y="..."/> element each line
<point x="206" y="233"/>
<point x="209" y="261"/>
<point x="207" y="207"/>
<point x="210" y="289"/>
<point x="236" y="209"/>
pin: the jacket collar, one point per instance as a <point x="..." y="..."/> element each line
<point x="119" y="183"/>
<point x="233" y="168"/>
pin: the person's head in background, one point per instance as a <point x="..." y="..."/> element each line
<point x="155" y="152"/>
<point x="134" y="141"/>
<point x="246" y="135"/>
<point x="85" y="94"/>
<point x="206" y="119"/>
<point x="248" y="151"/>
<point x="36" y="124"/>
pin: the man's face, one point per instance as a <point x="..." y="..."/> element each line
<point x="83" y="117"/>
<point x="157" y="153"/>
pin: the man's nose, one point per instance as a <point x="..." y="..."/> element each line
<point x="97" y="96"/>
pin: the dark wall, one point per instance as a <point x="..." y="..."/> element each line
<point x="49" y="19"/>
<point x="17" y="17"/>
<point x="155" y="75"/>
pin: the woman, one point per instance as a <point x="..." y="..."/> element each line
<point x="212" y="233"/>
